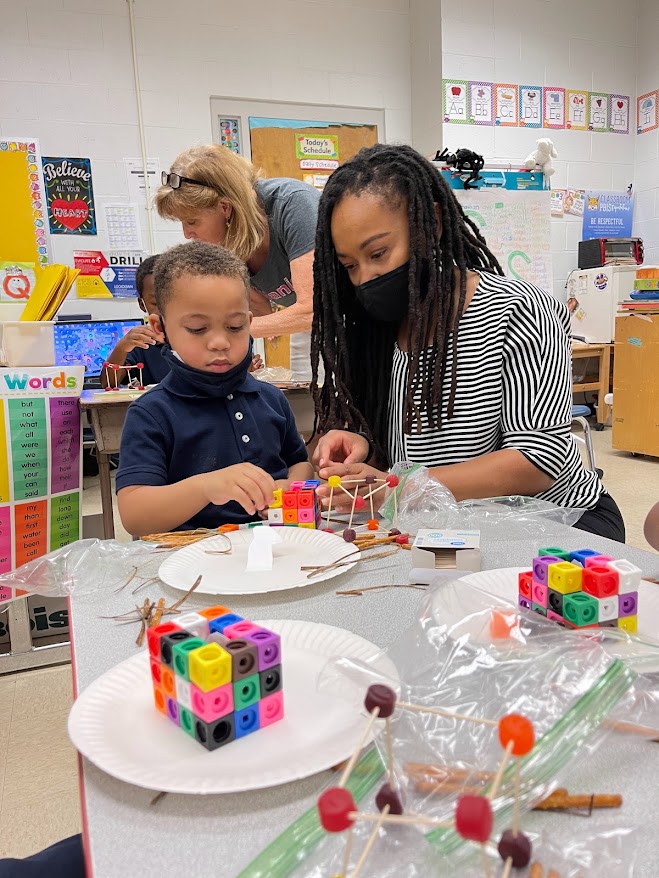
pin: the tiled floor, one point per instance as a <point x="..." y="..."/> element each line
<point x="39" y="801"/>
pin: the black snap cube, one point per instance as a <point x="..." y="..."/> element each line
<point x="270" y="681"/>
<point x="555" y="601"/>
<point x="215" y="734"/>
<point x="167" y="644"/>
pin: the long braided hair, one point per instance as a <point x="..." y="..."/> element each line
<point x="357" y="351"/>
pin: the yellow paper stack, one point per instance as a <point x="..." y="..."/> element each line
<point x="50" y="290"/>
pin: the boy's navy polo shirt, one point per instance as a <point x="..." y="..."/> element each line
<point x="155" y="365"/>
<point x="175" y="431"/>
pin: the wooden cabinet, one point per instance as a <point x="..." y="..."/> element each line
<point x="636" y="384"/>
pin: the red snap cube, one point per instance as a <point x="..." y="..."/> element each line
<point x="525" y="584"/>
<point x="600" y="582"/>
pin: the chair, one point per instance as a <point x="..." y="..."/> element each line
<point x="579" y="414"/>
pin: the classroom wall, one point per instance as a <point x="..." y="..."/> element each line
<point x="646" y="178"/>
<point x="66" y="77"/>
<point x="589" y="44"/>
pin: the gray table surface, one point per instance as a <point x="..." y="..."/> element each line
<point x="220" y="835"/>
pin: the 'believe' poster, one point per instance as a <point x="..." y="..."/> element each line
<point x="69" y="196"/>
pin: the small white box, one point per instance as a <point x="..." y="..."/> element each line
<point x="629" y="576"/>
<point x="276" y="516"/>
<point x="447" y="550"/>
<point x="27" y="343"/>
<point x="195" y="623"/>
<point x="607" y="609"/>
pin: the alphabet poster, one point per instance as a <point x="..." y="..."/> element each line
<point x="647" y="117"/>
<point x="455" y="100"/>
<point x="481" y="103"/>
<point x="530" y="106"/>
<point x="506" y="109"/>
<point x="598" y="112"/>
<point x="69" y="196"/>
<point x="554" y="108"/>
<point x="619" y="114"/>
<point x="40" y="463"/>
<point x="516" y="226"/>
<point x="577" y="110"/>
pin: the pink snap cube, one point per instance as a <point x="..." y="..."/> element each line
<point x="211" y="705"/>
<point x="271" y="709"/>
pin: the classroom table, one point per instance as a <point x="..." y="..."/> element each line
<point x="107" y="413"/>
<point x="220" y="835"/>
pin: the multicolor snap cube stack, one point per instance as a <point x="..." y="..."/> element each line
<point x="582" y="589"/>
<point x="297" y="507"/>
<point x="216" y="675"/>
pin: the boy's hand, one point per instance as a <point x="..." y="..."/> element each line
<point x="245" y="483"/>
<point x="256" y="364"/>
<point x="138" y="337"/>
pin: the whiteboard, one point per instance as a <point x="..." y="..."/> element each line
<point x="516" y="226"/>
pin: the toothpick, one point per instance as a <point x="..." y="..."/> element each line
<point x="329" y="512"/>
<point x="370" y="842"/>
<point x="355" y="756"/>
<point x="348" y="851"/>
<point x="352" y="511"/>
<point x="518" y="783"/>
<point x="374" y="491"/>
<point x="507" y="868"/>
<point x="486" y="862"/>
<point x="438" y="711"/>
<point x="395" y="508"/>
<point x="402" y="819"/>
<point x="390" y="751"/>
<point x="499" y="775"/>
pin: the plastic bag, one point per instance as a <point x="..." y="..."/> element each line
<point x="76" y="566"/>
<point x="423" y="502"/>
<point x="565" y="682"/>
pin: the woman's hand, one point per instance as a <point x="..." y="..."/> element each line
<point x="355" y="474"/>
<point x="339" y="447"/>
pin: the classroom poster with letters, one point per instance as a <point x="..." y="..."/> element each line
<point x="598" y="112"/>
<point x="619" y="114"/>
<point x="506" y="105"/>
<point x="481" y="103"/>
<point x="40" y="463"/>
<point x="530" y="106"/>
<point x="69" y="196"/>
<point x="554" y="108"/>
<point x="577" y="110"/>
<point x="647" y="115"/>
<point x="455" y="100"/>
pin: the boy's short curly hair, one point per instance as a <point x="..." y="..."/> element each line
<point x="144" y="269"/>
<point x="195" y="259"/>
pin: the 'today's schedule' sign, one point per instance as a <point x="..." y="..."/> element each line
<point x="40" y="463"/>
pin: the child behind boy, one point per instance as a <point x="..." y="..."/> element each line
<point x="210" y="444"/>
<point x="141" y="344"/>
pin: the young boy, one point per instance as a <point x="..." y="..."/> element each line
<point x="141" y="344"/>
<point x="210" y="444"/>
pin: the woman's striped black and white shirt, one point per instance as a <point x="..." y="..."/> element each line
<point x="514" y="390"/>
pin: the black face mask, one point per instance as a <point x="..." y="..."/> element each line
<point x="386" y="298"/>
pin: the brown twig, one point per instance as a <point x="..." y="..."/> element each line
<point x="187" y="594"/>
<point x="157" y="616"/>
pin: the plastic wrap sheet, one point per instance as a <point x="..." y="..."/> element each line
<point x="423" y="502"/>
<point x="566" y="683"/>
<point x="85" y="567"/>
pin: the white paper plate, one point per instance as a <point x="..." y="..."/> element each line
<point x="225" y="574"/>
<point x="114" y="722"/>
<point x="503" y="584"/>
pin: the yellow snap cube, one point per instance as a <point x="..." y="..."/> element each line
<point x="276" y="502"/>
<point x="210" y="666"/>
<point x="565" y="577"/>
<point x="628" y="624"/>
<point x="306" y="524"/>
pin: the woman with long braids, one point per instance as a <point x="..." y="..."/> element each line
<point x="431" y="354"/>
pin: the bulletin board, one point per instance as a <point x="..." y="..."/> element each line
<point x="517" y="228"/>
<point x="285" y="148"/>
<point x="40" y="463"/>
<point x="23" y="229"/>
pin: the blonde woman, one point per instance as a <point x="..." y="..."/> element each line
<point x="221" y="198"/>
